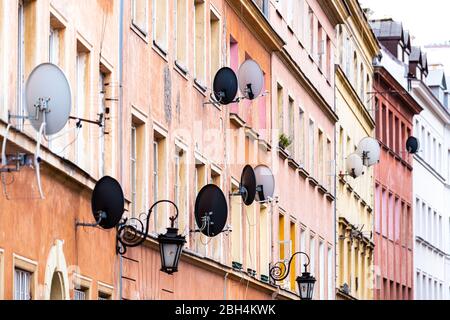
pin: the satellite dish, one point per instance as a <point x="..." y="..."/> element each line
<point x="248" y="185"/>
<point x="48" y="98"/>
<point x="108" y="202"/>
<point x="265" y="183"/>
<point x="369" y="151"/>
<point x="354" y="165"/>
<point x="412" y="145"/>
<point x="225" y="86"/>
<point x="211" y="210"/>
<point x="251" y="79"/>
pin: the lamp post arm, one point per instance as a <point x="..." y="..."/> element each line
<point x="279" y="273"/>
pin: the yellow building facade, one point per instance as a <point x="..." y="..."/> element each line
<point x="356" y="49"/>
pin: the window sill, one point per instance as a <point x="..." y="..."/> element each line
<point x="181" y="69"/>
<point x="160" y="50"/>
<point x="139" y="32"/>
<point x="200" y="87"/>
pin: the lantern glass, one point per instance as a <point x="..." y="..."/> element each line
<point x="306" y="286"/>
<point x="170" y="246"/>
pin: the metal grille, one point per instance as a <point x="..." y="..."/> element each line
<point x="79" y="294"/>
<point x="22" y="284"/>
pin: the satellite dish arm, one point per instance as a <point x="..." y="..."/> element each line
<point x="128" y="234"/>
<point x="37" y="159"/>
<point x="5" y="139"/>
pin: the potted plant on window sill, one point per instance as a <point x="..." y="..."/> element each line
<point x="283" y="143"/>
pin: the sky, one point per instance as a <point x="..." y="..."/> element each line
<point x="427" y="20"/>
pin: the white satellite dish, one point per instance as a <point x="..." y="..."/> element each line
<point x="251" y="79"/>
<point x="48" y="98"/>
<point x="354" y="165"/>
<point x="265" y="183"/>
<point x="369" y="150"/>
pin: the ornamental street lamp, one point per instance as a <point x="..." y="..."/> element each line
<point x="131" y="233"/>
<point x="305" y="282"/>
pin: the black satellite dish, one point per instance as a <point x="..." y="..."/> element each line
<point x="225" y="86"/>
<point x="211" y="210"/>
<point x="248" y="185"/>
<point x="107" y="202"/>
<point x="412" y="145"/>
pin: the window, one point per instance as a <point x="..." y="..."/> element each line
<point x="311" y="29"/>
<point x="291" y="126"/>
<point x="321" y="271"/>
<point x="82" y="101"/>
<point x="2" y="271"/>
<point x="250" y="235"/>
<point x="216" y="243"/>
<point x="329" y="58"/>
<point x="281" y="238"/>
<point x="236" y="221"/>
<point x="391" y="217"/>
<point x="160" y="17"/>
<point x="264" y="242"/>
<point x="159" y="180"/>
<point x="290" y="13"/>
<point x="301" y="140"/>
<point x="312" y="255"/>
<point x="199" y="40"/>
<point x="22" y="284"/>
<point x="215" y="48"/>
<point x="293" y="249"/>
<point x="23" y="54"/>
<point x="384" y="213"/>
<point x="330" y="265"/>
<point x="383" y="124"/>
<point x="377" y="209"/>
<point x="181" y="28"/>
<point x="200" y="177"/>
<point x="104" y="296"/>
<point x="361" y="82"/>
<point x="321" y="167"/>
<point x="137" y="161"/>
<point x="280" y="108"/>
<point x="105" y="291"/>
<point x="80" y="294"/>
<point x="302" y="246"/>
<point x="311" y="147"/>
<point x="140" y="15"/>
<point x="53" y="47"/>
<point x="399" y="209"/>
<point x="320" y="46"/>
<point x="181" y="188"/>
<point x="391" y="130"/>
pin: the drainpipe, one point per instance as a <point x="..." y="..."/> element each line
<point x="119" y="116"/>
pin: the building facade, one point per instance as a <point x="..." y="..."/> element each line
<point x="43" y="255"/>
<point x="303" y="79"/>
<point x="395" y="109"/>
<point x="357" y="47"/>
<point x="431" y="211"/>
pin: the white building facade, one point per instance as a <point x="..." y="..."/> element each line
<point x="431" y="187"/>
